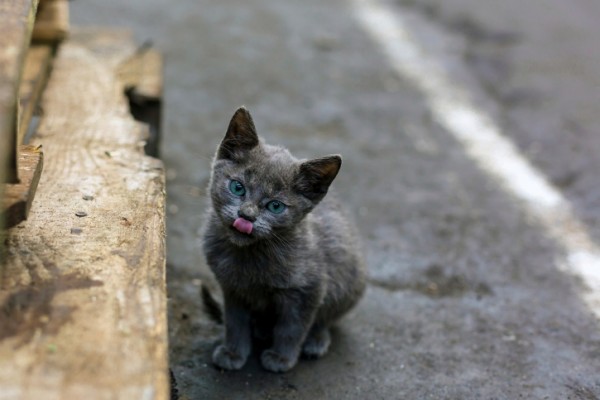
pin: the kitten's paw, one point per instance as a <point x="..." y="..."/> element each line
<point x="316" y="345"/>
<point x="276" y="362"/>
<point x="226" y="359"/>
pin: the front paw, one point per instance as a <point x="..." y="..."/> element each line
<point x="227" y="359"/>
<point x="276" y="362"/>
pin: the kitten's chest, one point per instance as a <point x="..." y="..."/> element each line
<point x="257" y="298"/>
<point x="253" y="271"/>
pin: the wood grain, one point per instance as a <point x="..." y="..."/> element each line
<point x="82" y="285"/>
<point x="16" y="18"/>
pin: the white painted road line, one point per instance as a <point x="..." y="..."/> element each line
<point x="484" y="142"/>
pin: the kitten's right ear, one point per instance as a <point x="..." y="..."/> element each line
<point x="241" y="135"/>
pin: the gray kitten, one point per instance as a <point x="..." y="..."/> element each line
<point x="285" y="257"/>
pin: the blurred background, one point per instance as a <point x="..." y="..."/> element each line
<point x="467" y="297"/>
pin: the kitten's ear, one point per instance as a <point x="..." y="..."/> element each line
<point x="315" y="176"/>
<point x="241" y="135"/>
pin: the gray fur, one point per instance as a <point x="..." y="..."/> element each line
<point x="298" y="271"/>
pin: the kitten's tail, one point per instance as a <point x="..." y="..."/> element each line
<point x="211" y="306"/>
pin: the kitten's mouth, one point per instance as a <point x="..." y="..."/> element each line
<point x="243" y="225"/>
<point x="239" y="234"/>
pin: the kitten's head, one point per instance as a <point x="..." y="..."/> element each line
<point x="260" y="191"/>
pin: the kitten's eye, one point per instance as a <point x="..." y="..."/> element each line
<point x="237" y="188"/>
<point x="276" y="207"/>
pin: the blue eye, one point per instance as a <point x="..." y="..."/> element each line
<point x="237" y="188"/>
<point x="276" y="207"/>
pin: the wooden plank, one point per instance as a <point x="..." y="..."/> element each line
<point x="19" y="196"/>
<point x="52" y="21"/>
<point x="17" y="18"/>
<point x="82" y="286"/>
<point x="33" y="81"/>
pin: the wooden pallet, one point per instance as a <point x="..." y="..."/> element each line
<point x="82" y="280"/>
<point x="24" y="70"/>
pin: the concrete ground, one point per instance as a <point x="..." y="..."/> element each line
<point x="475" y="291"/>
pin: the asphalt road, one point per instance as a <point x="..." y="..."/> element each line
<point x="481" y="258"/>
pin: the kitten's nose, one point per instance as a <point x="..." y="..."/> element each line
<point x="248" y="211"/>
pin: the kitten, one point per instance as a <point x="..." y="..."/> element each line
<point x="285" y="257"/>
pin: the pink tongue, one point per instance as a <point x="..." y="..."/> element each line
<point x="243" y="225"/>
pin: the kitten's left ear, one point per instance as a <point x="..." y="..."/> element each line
<point x="315" y="176"/>
<point x="241" y="135"/>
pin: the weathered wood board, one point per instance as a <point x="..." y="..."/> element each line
<point x="82" y="281"/>
<point x="16" y="24"/>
